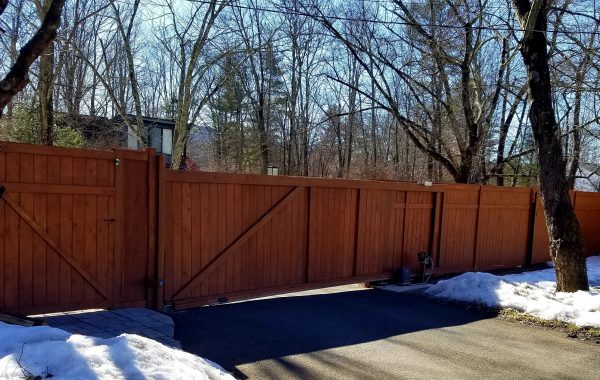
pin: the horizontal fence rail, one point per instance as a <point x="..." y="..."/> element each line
<point x="83" y="228"/>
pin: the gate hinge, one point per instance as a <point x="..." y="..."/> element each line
<point x="2" y="190"/>
<point x="112" y="220"/>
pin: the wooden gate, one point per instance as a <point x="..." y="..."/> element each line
<point x="227" y="236"/>
<point x="62" y="223"/>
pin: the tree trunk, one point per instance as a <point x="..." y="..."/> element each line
<point x="262" y="116"/>
<point x="45" y="93"/>
<point x="17" y="77"/>
<point x="566" y="242"/>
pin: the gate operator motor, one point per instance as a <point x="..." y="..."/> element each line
<point x="425" y="266"/>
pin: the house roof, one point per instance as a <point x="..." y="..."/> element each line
<point x="152" y="121"/>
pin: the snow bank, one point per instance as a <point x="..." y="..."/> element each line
<point x="46" y="350"/>
<point x="531" y="292"/>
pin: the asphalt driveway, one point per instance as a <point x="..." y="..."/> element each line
<point x="376" y="334"/>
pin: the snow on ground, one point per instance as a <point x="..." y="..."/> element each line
<point x="45" y="350"/>
<point x="530" y="292"/>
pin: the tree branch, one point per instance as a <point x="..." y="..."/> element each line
<point x="17" y="78"/>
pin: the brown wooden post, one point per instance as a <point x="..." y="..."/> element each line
<point x="118" y="275"/>
<point x="356" y="230"/>
<point x="477" y="225"/>
<point x="151" y="276"/>
<point x="160" y="217"/>
<point x="308" y="232"/>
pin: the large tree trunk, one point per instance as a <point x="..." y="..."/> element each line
<point x="566" y="243"/>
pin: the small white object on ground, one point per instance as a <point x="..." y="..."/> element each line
<point x="529" y="292"/>
<point x="41" y="351"/>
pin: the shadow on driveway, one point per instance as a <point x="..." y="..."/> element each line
<point x="274" y="328"/>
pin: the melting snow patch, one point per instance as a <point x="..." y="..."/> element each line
<point x="42" y="351"/>
<point x="530" y="292"/>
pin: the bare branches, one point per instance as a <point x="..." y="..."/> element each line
<point x="17" y="78"/>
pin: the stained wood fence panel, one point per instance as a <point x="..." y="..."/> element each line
<point x="503" y="227"/>
<point x="459" y="229"/>
<point x="587" y="209"/>
<point x="251" y="236"/>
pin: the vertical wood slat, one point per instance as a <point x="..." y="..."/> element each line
<point x="119" y="238"/>
<point x="40" y="175"/>
<point x="152" y="287"/>
<point x="162" y="234"/>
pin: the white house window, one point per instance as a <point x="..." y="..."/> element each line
<point x="167" y="141"/>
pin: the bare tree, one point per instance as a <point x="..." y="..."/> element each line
<point x="17" y="77"/>
<point x="566" y="242"/>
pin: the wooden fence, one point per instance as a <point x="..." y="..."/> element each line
<point x="81" y="228"/>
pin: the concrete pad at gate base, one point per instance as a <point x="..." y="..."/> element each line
<point x="111" y="323"/>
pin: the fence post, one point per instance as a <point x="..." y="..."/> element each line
<point x="308" y="233"/>
<point x="356" y="230"/>
<point x="118" y="267"/>
<point x="152" y="229"/>
<point x="160" y="252"/>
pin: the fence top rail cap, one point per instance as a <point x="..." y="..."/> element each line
<point x="14" y="147"/>
<point x="258" y="179"/>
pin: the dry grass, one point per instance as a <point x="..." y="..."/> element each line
<point x="572" y="331"/>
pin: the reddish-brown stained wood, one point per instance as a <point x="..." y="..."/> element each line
<point x="2" y="252"/>
<point x="86" y="235"/>
<point x="2" y="170"/>
<point x="245" y="252"/>
<point x="196" y="234"/>
<point x="151" y="272"/>
<point x="11" y="261"/>
<point x="254" y="179"/>
<point x="235" y="245"/>
<point x="213" y="280"/>
<point x="12" y="167"/>
<point x="186" y="233"/>
<point x="237" y="217"/>
<point x="53" y="150"/>
<point x="102" y="231"/>
<point x="40" y="166"/>
<point x="39" y="252"/>
<point x="25" y="253"/>
<point x="162" y="227"/>
<point x="119" y="224"/>
<point x="60" y="227"/>
<point x="204" y="254"/>
<point x="221" y="234"/>
<point x="177" y="243"/>
<point x="32" y="224"/>
<point x="65" y="164"/>
<point x="230" y="236"/>
<point x="40" y="175"/>
<point x="90" y="239"/>
<point x="57" y="189"/>
<point x="79" y="167"/>
<point x="167" y="244"/>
